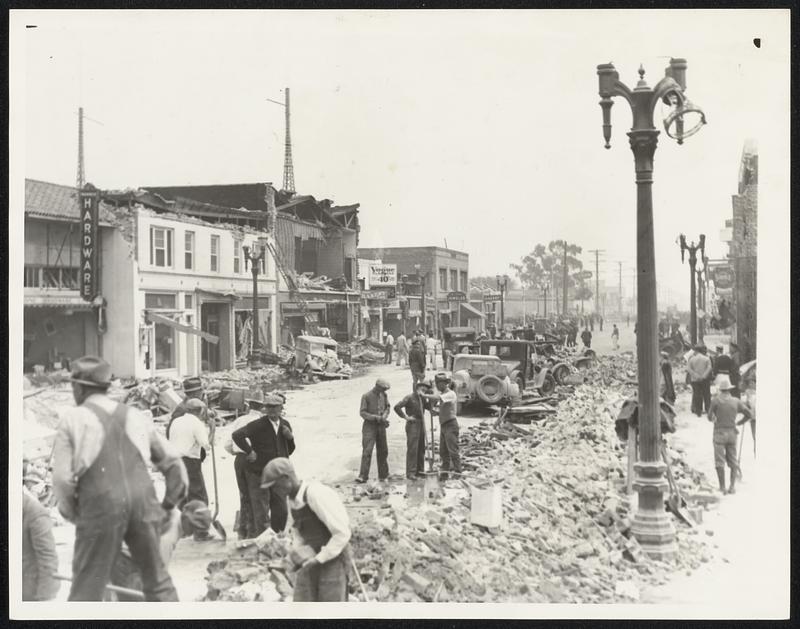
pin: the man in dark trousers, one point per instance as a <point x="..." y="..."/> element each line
<point x="262" y="440"/>
<point x="726" y="365"/>
<point x="667" y="386"/>
<point x="446" y="402"/>
<point x="375" y="413"/>
<point x="321" y="550"/>
<point x="39" y="557"/>
<point x="416" y="361"/>
<point x="102" y="484"/>
<point x="723" y="412"/>
<point x="193" y="390"/>
<point x="412" y="408"/>
<point x="245" y="526"/>
<point x="699" y="370"/>
<point x="586" y="337"/>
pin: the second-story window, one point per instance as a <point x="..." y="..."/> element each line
<point x="237" y="255"/>
<point x="464" y="285"/>
<point x="442" y="279"/>
<point x="161" y="246"/>
<point x="188" y="250"/>
<point x="214" y="257"/>
<point x="453" y="279"/>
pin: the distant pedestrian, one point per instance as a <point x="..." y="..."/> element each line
<point x="601" y="323"/>
<point x="446" y="403"/>
<point x="586" y="337"/>
<point x="430" y="346"/>
<point x="615" y="337"/>
<point x="412" y="408"/>
<point x="667" y="385"/>
<point x="416" y="361"/>
<point x="699" y="371"/>
<point x="322" y="534"/>
<point x="102" y="483"/>
<point x="39" y="557"/>
<point x="402" y="350"/>
<point x="375" y="413"/>
<point x="628" y="320"/>
<point x="388" y="347"/>
<point x="591" y="322"/>
<point x="723" y="412"/>
<point x="262" y="440"/>
<point x="726" y="365"/>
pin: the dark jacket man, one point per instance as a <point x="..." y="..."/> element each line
<point x="412" y="408"/>
<point x="416" y="361"/>
<point x="262" y="440"/>
<point x="586" y="337"/>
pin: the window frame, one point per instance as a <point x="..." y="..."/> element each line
<point x="214" y="256"/>
<point x="442" y="278"/>
<point x="167" y="247"/>
<point x="237" y="256"/>
<point x="188" y="252"/>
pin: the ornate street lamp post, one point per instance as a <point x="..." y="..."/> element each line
<point x="254" y="257"/>
<point x="423" y="281"/>
<point x="692" y="249"/>
<point x="502" y="285"/>
<point x="544" y="288"/>
<point x="652" y="526"/>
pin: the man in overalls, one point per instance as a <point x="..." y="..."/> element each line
<point x="322" y="533"/>
<point x="446" y="403"/>
<point x="102" y="484"/>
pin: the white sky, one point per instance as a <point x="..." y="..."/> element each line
<point x="481" y="128"/>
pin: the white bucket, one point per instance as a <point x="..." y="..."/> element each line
<point x="487" y="505"/>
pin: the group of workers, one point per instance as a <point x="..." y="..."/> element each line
<point x="407" y="351"/>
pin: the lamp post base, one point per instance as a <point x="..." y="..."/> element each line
<point x="652" y="525"/>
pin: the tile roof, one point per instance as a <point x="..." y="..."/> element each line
<point x="53" y="200"/>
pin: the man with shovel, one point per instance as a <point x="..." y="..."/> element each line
<point x="262" y="440"/>
<point x="412" y="408"/>
<point x="446" y="401"/>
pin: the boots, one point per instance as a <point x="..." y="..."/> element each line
<point x="734" y="473"/>
<point x="721" y="478"/>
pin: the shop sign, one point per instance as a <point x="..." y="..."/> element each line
<point x="723" y="277"/>
<point x="382" y="294"/>
<point x="456" y="296"/>
<point x="382" y="275"/>
<point x="89" y="207"/>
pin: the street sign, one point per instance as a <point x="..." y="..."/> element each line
<point x="381" y="275"/>
<point x="583" y="275"/>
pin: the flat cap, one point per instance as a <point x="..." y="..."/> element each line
<point x="92" y="371"/>
<point x="193" y="406"/>
<point x="383" y="383"/>
<point x="274" y="470"/>
<point x="274" y="400"/>
<point x="441" y="377"/>
<point x="192" y="384"/>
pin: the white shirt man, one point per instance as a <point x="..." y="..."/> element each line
<point x="188" y="434"/>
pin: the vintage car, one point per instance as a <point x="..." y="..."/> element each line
<point x="481" y="379"/>
<point x="458" y="340"/>
<point x="316" y="355"/>
<point x="525" y="366"/>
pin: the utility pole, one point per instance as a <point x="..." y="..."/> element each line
<point x="619" y="295"/>
<point x="596" y="253"/>
<point x="81" y="177"/>
<point x="564" y="291"/>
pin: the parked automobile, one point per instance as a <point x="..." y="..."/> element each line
<point x="316" y="355"/>
<point x="482" y="379"/>
<point x="525" y="366"/>
<point x="458" y="340"/>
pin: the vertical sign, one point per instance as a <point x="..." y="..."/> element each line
<point x="89" y="208"/>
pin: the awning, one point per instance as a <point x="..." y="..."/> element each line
<point x="74" y="302"/>
<point x="473" y="310"/>
<point x="157" y="318"/>
<point x="229" y="295"/>
<point x="290" y="308"/>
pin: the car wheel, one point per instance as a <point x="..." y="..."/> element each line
<point x="490" y="389"/>
<point x="548" y="386"/>
<point x="560" y="373"/>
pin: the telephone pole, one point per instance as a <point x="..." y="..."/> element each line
<point x="564" y="305"/>
<point x="596" y="253"/>
<point x="619" y="294"/>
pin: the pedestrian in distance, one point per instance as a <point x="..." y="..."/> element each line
<point x="698" y="372"/>
<point x="726" y="365"/>
<point x="375" y="413"/>
<point x="601" y="322"/>
<point x="591" y="321"/>
<point x="262" y="440"/>
<point x="39" y="557"/>
<point x="667" y="385"/>
<point x="430" y="347"/>
<point x="402" y="350"/>
<point x="586" y="337"/>
<point x="723" y="412"/>
<point x="321" y="549"/>
<point x="388" y="347"/>
<point x="412" y="408"/>
<point x="102" y="484"/>
<point x="445" y="402"/>
<point x="192" y="520"/>
<point x="416" y="361"/>
<point x="245" y="525"/>
<point x="615" y="337"/>
<point x="188" y="434"/>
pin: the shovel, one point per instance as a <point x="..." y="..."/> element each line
<point x="214" y="522"/>
<point x="111" y="588"/>
<point x="675" y="502"/>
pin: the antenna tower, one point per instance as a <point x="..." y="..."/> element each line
<point x="288" y="166"/>
<point x="81" y="177"/>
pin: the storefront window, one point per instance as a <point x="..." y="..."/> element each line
<point x="165" y="346"/>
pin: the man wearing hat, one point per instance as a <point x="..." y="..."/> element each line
<point x="698" y="370"/>
<point x="667" y="385"/>
<point x="188" y="435"/>
<point x="322" y="533"/>
<point x="375" y="413"/>
<point x="245" y="526"/>
<point x="726" y="365"/>
<point x="412" y="408"/>
<point x="416" y="361"/>
<point x="102" y="484"/>
<point x="446" y="400"/>
<point x="194" y="518"/>
<point x="262" y="440"/>
<point x="723" y="411"/>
